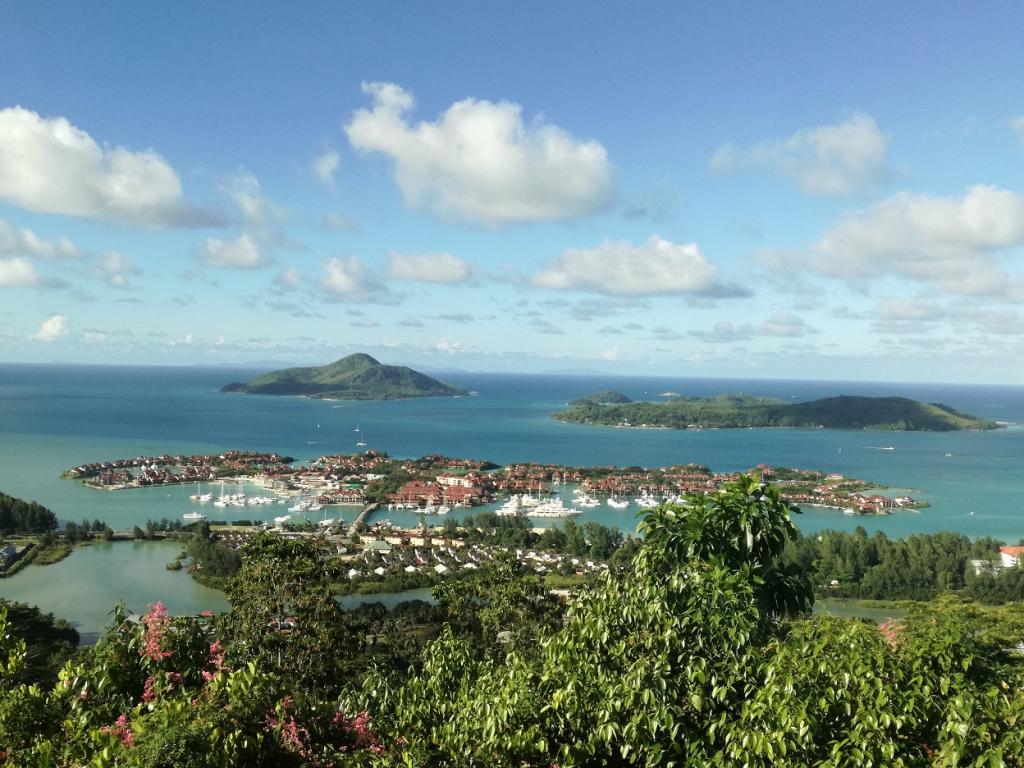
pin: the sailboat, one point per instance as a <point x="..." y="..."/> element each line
<point x="199" y="496"/>
<point x="361" y="443"/>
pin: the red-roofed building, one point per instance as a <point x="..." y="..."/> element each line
<point x="1011" y="557"/>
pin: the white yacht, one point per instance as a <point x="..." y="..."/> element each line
<point x="618" y="503"/>
<point x="553" y="508"/>
<point x="199" y="496"/>
<point x="193" y="516"/>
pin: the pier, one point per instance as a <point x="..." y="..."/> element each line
<point x="362" y="517"/>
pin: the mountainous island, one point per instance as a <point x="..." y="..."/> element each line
<point x="897" y="414"/>
<point x="355" y="377"/>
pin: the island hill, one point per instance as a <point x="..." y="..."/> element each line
<point x="739" y="411"/>
<point x="356" y="377"/>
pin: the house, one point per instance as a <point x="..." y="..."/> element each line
<point x="8" y="554"/>
<point x="1011" y="557"/>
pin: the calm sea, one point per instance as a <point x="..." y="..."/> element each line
<point x="55" y="416"/>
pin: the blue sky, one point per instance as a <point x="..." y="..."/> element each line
<point x="789" y="189"/>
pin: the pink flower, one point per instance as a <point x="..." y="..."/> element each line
<point x="149" y="690"/>
<point x="121" y="730"/>
<point x="155" y="624"/>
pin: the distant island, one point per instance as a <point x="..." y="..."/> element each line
<point x="898" y="414"/>
<point x="604" y="397"/>
<point x="356" y="377"/>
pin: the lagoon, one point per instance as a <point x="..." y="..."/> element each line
<point x="56" y="416"/>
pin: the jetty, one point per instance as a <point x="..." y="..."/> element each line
<point x="362" y="517"/>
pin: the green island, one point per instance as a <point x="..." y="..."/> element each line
<point x="355" y="377"/>
<point x="898" y="414"/>
<point x="697" y="645"/>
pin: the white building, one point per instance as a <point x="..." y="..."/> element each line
<point x="1011" y="557"/>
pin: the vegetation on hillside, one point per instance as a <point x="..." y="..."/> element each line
<point x="919" y="567"/>
<point x="740" y="411"/>
<point x="604" y="397"/>
<point x="356" y="377"/>
<point x="701" y="653"/>
<point x="18" y="516"/>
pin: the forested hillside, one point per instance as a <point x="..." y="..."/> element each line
<point x="700" y="651"/>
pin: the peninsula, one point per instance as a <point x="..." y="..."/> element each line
<point x="356" y="377"/>
<point x="897" y="414"/>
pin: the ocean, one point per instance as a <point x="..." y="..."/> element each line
<point x="53" y="417"/>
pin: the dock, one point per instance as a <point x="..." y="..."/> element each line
<point x="368" y="510"/>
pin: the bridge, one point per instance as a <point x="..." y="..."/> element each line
<point x="368" y="510"/>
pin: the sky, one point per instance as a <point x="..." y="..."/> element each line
<point x="795" y="190"/>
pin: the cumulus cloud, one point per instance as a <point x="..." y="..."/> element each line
<point x="16" y="241"/>
<point x="955" y="243"/>
<point x="240" y="253"/>
<point x="324" y="167"/>
<point x="53" y="328"/>
<point x="17" y="271"/>
<point x="621" y="268"/>
<point x="481" y="162"/>
<point x="839" y="159"/>
<point x="115" y="269"/>
<point x="349" y="278"/>
<point x="288" y="279"/>
<point x="779" y="325"/>
<point x="429" y="267"/>
<point x="262" y="222"/>
<point x="52" y="166"/>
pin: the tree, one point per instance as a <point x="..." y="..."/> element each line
<point x="283" y="616"/>
<point x="500" y="608"/>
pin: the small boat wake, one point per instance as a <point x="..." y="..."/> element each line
<point x="879" y="448"/>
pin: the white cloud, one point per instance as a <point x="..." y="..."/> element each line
<point x="240" y="253"/>
<point x="116" y="269"/>
<point x="51" y="166"/>
<point x="288" y="279"/>
<point x="843" y="158"/>
<point x="611" y="354"/>
<point x="429" y="267"/>
<point x="25" y="242"/>
<point x="338" y="221"/>
<point x="955" y="243"/>
<point x="481" y="162"/>
<point x="449" y="346"/>
<point x="786" y="325"/>
<point x="620" y="268"/>
<point x="17" y="271"/>
<point x="1018" y="127"/>
<point x="262" y="220"/>
<point x="349" y="278"/>
<point x="52" y="329"/>
<point x="779" y="325"/>
<point x="260" y="215"/>
<point x="324" y="167"/>
<point x="910" y="309"/>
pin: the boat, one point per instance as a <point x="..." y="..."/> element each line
<point x="444" y="509"/>
<point x="618" y="503"/>
<point x="553" y="508"/>
<point x="199" y="496"/>
<point x="193" y="516"/>
<point x="282" y="519"/>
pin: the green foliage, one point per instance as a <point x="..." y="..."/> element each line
<point x="17" y="516"/>
<point x="355" y="377"/>
<point x="736" y="411"/>
<point x="700" y="654"/>
<point x="920" y="567"/>
<point x="49" y="642"/>
<point x="283" y="615"/>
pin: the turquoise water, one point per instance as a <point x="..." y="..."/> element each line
<point x="53" y="417"/>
